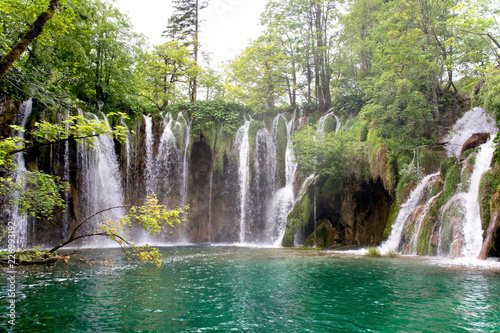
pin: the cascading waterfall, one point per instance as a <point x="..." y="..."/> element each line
<point x="393" y="243"/>
<point x="101" y="179"/>
<point x="459" y="231"/>
<point x="21" y="221"/>
<point x="150" y="179"/>
<point x="284" y="199"/>
<point x="472" y="229"/>
<point x="185" y="162"/>
<point x="321" y="127"/>
<point x="241" y="142"/>
<point x="474" y="121"/>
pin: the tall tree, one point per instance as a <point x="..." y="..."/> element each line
<point x="184" y="26"/>
<point x="25" y="41"/>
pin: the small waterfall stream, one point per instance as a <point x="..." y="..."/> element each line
<point x="241" y="142"/>
<point x="185" y="162"/>
<point x="150" y="179"/>
<point x="472" y="229"/>
<point x="21" y="221"/>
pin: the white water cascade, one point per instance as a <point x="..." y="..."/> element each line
<point x="185" y="162"/>
<point x="459" y="226"/>
<point x="21" y="221"/>
<point x="472" y="229"/>
<point x="150" y="181"/>
<point x="322" y="122"/>
<point x="393" y="243"/>
<point x="101" y="179"/>
<point x="284" y="199"/>
<point x="241" y="142"/>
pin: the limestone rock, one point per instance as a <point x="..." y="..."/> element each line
<point x="474" y="141"/>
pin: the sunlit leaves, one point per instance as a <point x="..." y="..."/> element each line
<point x="34" y="193"/>
<point x="153" y="217"/>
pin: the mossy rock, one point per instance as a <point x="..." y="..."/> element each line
<point x="489" y="185"/>
<point x="222" y="150"/>
<point x="330" y="124"/>
<point x="299" y="216"/>
<point x="424" y="244"/>
<point x="393" y="215"/>
<point x="446" y="164"/>
<point x="467" y="173"/>
<point x="253" y="129"/>
<point x="323" y="237"/>
<point x="431" y="159"/>
<point x="453" y="178"/>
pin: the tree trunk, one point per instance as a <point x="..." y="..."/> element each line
<point x="22" y="45"/>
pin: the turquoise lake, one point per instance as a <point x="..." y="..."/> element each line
<point x="223" y="289"/>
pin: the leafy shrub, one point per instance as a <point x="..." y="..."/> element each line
<point x="373" y="252"/>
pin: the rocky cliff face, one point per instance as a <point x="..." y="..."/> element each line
<point x="181" y="164"/>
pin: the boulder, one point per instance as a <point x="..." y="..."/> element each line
<point x="324" y="236"/>
<point x="475" y="141"/>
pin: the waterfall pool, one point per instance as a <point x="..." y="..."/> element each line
<point x="249" y="289"/>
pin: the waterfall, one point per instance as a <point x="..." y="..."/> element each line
<point x="283" y="200"/>
<point x="185" y="162"/>
<point x="458" y="231"/>
<point x="242" y="144"/>
<point x="393" y="243"/>
<point x="150" y="178"/>
<point x="101" y="178"/>
<point x="473" y="121"/>
<point x="472" y="229"/>
<point x="20" y="220"/>
<point x="66" y="178"/>
<point x="321" y="127"/>
<point x="127" y="151"/>
<point x="210" y="185"/>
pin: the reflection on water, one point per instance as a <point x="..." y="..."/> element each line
<point x="259" y="290"/>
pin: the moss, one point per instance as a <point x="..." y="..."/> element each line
<point x="466" y="176"/>
<point x="424" y="237"/>
<point x="488" y="186"/>
<point x="391" y="173"/>
<point x="223" y="149"/>
<point x="405" y="186"/>
<point x="437" y="187"/>
<point x="445" y="165"/>
<point x="253" y="129"/>
<point x="330" y="124"/>
<point x="431" y="159"/>
<point x="363" y="134"/>
<point x="393" y="214"/>
<point x="330" y="187"/>
<point x="453" y="178"/>
<point x="469" y="152"/>
<point x="299" y="217"/>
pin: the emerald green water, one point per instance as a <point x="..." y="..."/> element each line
<point x="258" y="290"/>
